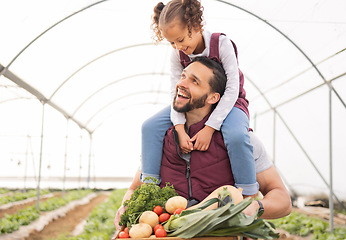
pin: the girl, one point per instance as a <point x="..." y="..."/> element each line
<point x="180" y="23"/>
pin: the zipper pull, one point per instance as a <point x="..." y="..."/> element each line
<point x="188" y="171"/>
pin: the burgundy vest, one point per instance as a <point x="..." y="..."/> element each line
<point x="241" y="102"/>
<point x="208" y="170"/>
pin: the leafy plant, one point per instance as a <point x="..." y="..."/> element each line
<point x="100" y="224"/>
<point x="145" y="198"/>
<point x="302" y="225"/>
<point x="18" y="196"/>
<point x="10" y="223"/>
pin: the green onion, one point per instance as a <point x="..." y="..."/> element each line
<point x="227" y="220"/>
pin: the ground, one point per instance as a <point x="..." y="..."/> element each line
<point x="67" y="224"/>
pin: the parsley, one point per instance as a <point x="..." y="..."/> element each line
<point x="145" y="198"/>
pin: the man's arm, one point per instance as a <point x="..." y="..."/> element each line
<point x="135" y="183"/>
<point x="276" y="201"/>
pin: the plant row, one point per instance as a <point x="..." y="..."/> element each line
<point x="302" y="225"/>
<point x="100" y="224"/>
<point x="10" y="223"/>
<point x="18" y="196"/>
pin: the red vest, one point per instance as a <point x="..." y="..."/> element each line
<point x="208" y="170"/>
<point x="241" y="102"/>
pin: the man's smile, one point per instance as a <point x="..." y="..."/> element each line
<point x="182" y="93"/>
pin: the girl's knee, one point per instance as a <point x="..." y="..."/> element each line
<point x="148" y="126"/>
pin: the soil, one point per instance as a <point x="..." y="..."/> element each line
<point x="14" y="209"/>
<point x="66" y="224"/>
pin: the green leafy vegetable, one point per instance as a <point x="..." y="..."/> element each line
<point x="227" y="220"/>
<point x="145" y="198"/>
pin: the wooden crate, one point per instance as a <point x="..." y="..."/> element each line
<point x="177" y="238"/>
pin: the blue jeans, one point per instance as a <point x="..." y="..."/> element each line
<point x="153" y="134"/>
<point x="235" y="132"/>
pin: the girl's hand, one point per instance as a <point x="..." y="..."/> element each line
<point x="203" y="138"/>
<point x="186" y="145"/>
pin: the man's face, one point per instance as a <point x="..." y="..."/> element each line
<point x="192" y="90"/>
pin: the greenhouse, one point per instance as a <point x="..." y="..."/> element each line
<point x="79" y="78"/>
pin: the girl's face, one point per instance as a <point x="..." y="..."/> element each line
<point x="177" y="35"/>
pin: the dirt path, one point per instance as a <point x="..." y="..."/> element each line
<point x="14" y="209"/>
<point x="66" y="225"/>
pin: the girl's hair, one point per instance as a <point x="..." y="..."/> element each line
<point x="189" y="12"/>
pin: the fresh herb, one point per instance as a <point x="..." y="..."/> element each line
<point x="145" y="198"/>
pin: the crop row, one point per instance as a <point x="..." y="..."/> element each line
<point x="302" y="225"/>
<point x="10" y="223"/>
<point x="18" y="196"/>
<point x="100" y="221"/>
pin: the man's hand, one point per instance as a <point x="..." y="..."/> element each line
<point x="203" y="138"/>
<point x="251" y="209"/>
<point x="185" y="143"/>
<point x="120" y="212"/>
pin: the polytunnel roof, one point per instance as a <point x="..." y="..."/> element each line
<point x="90" y="60"/>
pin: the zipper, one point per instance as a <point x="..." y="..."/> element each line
<point x="186" y="158"/>
<point x="188" y="176"/>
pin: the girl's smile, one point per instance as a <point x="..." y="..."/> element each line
<point x="178" y="36"/>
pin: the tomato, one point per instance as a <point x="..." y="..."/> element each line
<point x="157" y="227"/>
<point x="123" y="234"/>
<point x="178" y="211"/>
<point x="161" y="233"/>
<point x="164" y="217"/>
<point x="126" y="230"/>
<point x="158" y="210"/>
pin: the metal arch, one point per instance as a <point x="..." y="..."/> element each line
<point x="115" y="82"/>
<point x="98" y="58"/>
<point x="45" y="31"/>
<point x="294" y="137"/>
<point x="14" y="99"/>
<point x="128" y="106"/>
<point x="290" y="40"/>
<point x="117" y="99"/>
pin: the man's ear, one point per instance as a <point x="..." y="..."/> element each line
<point x="213" y="98"/>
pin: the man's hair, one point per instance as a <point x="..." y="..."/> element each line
<point x="218" y="81"/>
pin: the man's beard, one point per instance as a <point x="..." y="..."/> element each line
<point x="194" y="104"/>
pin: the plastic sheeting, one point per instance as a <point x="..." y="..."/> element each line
<point x="95" y="61"/>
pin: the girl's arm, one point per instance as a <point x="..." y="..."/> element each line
<point x="178" y="119"/>
<point x="227" y="101"/>
<point x="176" y="70"/>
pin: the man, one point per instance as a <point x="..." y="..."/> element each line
<point x="199" y="89"/>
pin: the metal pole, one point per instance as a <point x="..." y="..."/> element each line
<point x="331" y="202"/>
<point x="26" y="160"/>
<point x="80" y="160"/>
<point x="90" y="152"/>
<point x="65" y="159"/>
<point x="40" y="164"/>
<point x="274" y="137"/>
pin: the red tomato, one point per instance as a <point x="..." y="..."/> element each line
<point x="158" y="210"/>
<point x="164" y="217"/>
<point x="161" y="233"/>
<point x="157" y="227"/>
<point x="123" y="234"/>
<point x="178" y="211"/>
<point x="126" y="230"/>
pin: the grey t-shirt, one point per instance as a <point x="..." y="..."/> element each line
<point x="262" y="161"/>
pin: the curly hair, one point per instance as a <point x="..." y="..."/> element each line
<point x="189" y="12"/>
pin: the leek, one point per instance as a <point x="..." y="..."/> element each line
<point x="227" y="220"/>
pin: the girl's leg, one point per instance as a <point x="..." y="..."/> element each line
<point x="153" y="133"/>
<point x="237" y="140"/>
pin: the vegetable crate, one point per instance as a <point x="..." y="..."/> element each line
<point x="177" y="238"/>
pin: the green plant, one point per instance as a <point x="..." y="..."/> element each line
<point x="302" y="225"/>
